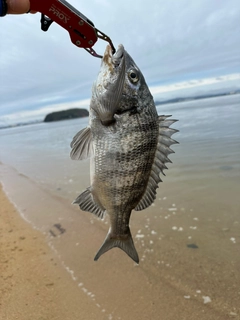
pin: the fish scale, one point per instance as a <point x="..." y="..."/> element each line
<point x="129" y="145"/>
<point x="123" y="169"/>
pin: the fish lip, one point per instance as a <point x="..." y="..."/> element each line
<point x="113" y="60"/>
<point x="117" y="57"/>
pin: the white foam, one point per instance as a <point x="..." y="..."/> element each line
<point x="206" y="299"/>
<point x="80" y="284"/>
<point x="233" y="240"/>
<point x="139" y="236"/>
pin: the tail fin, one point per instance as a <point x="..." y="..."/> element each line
<point x="125" y="243"/>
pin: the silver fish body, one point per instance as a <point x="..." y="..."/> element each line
<point x="128" y="144"/>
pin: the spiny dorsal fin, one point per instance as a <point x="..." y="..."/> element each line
<point x="86" y="203"/>
<point x="82" y="145"/>
<point x="161" y="157"/>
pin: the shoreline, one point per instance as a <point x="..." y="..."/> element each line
<point x="33" y="284"/>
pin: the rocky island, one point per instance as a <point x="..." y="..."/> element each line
<point x="66" y="115"/>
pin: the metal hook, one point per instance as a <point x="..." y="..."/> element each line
<point x="104" y="37"/>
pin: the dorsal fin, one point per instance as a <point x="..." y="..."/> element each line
<point x="161" y="157"/>
<point x="86" y="203"/>
<point x="82" y="145"/>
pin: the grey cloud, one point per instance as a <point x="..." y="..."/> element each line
<point x="169" y="40"/>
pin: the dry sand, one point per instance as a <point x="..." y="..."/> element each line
<point x="32" y="283"/>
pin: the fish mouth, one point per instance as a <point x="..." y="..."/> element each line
<point x="110" y="85"/>
<point x="117" y="58"/>
<point x="113" y="60"/>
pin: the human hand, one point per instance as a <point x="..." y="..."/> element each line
<point x="18" y="6"/>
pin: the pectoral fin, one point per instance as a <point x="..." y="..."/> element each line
<point x="81" y="145"/>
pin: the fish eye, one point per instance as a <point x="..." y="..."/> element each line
<point x="133" y="76"/>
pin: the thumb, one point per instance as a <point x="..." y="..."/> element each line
<point x="18" y="6"/>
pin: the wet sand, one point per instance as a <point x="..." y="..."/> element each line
<point x="34" y="284"/>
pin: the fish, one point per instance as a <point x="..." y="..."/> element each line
<point x="128" y="145"/>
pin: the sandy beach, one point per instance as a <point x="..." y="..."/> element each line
<point x="188" y="240"/>
<point x="33" y="284"/>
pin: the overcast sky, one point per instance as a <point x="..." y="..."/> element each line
<point x="172" y="41"/>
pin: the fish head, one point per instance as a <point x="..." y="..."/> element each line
<point x="118" y="88"/>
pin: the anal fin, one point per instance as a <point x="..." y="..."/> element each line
<point x="86" y="203"/>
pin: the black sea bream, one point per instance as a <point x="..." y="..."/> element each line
<point x="128" y="144"/>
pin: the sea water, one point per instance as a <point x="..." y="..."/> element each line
<point x="209" y="132"/>
<point x="194" y="224"/>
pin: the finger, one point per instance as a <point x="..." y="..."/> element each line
<point x="18" y="7"/>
